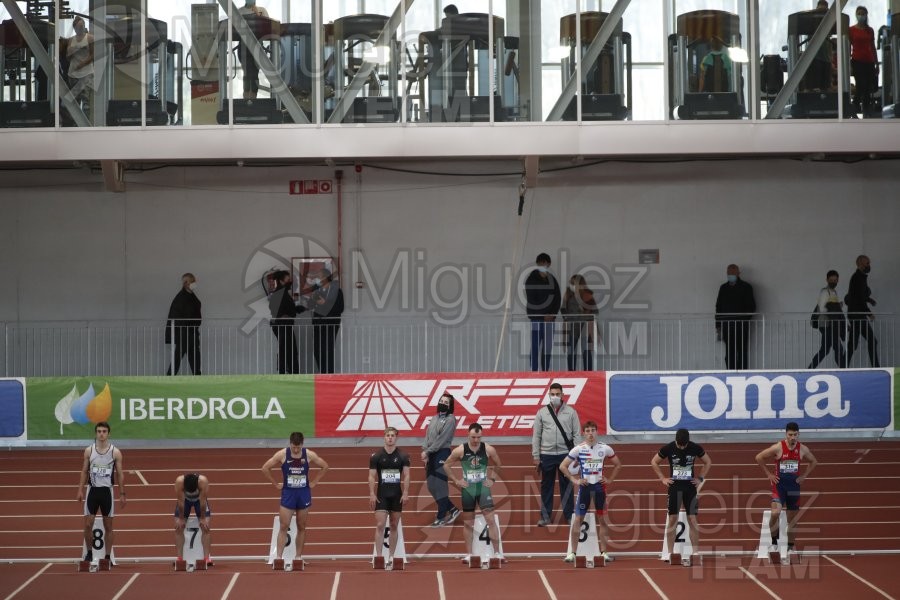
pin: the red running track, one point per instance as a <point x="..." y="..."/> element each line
<point x="846" y="507"/>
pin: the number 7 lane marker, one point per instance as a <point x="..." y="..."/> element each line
<point x="653" y="585"/>
<point x="836" y="563"/>
<point x="126" y="586"/>
<point x="25" y="585"/>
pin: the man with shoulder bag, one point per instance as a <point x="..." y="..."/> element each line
<point x="556" y="431"/>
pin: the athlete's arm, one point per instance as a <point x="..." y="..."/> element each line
<point x="617" y="464"/>
<point x="811" y="462"/>
<point x="319" y="462"/>
<point x="373" y="488"/>
<point x="179" y="502"/>
<point x="655" y="463"/>
<point x="454" y="458"/>
<point x="766" y="455"/>
<point x="117" y="456"/>
<point x="82" y="481"/>
<point x="277" y="459"/>
<point x="203" y="486"/>
<point x="703" y="472"/>
<point x="494" y="465"/>
<point x="404" y="485"/>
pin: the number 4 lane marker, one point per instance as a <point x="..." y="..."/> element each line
<point x="25" y="585"/>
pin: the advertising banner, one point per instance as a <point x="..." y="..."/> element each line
<point x="251" y="406"/>
<point x="503" y="403"/>
<point x="750" y="400"/>
<point x="12" y="409"/>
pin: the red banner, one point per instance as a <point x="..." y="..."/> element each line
<point x="503" y="403"/>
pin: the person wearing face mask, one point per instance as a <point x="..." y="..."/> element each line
<point x="79" y="50"/>
<point x="327" y="304"/>
<point x="284" y="313"/>
<point x="183" y="326"/>
<point x="542" y="299"/>
<point x="556" y="431"/>
<point x="863" y="61"/>
<point x="435" y="450"/>
<point x="578" y="309"/>
<point x="858" y="299"/>
<point x="831" y="311"/>
<point x="735" y="306"/>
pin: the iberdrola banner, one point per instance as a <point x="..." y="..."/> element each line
<point x="246" y="406"/>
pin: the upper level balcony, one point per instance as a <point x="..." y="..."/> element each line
<point x="316" y="79"/>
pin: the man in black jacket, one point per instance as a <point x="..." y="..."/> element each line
<point x="284" y="311"/>
<point x="735" y="306"/>
<point x="327" y="304"/>
<point x="858" y="299"/>
<point x="183" y="325"/>
<point x="542" y="305"/>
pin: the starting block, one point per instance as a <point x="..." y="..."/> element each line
<point x="589" y="562"/>
<point x="675" y="559"/>
<point x="103" y="564"/>
<point x="85" y="566"/>
<point x="297" y="564"/>
<point x="779" y="554"/>
<point x="378" y="562"/>
<point x="399" y="564"/>
<point x="278" y="564"/>
<point x="180" y="566"/>
<point x="200" y="565"/>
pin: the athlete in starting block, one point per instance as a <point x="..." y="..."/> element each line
<point x="786" y="480"/>
<point x="476" y="460"/>
<point x="590" y="485"/>
<point x="192" y="494"/>
<point x="388" y="492"/>
<point x="684" y="479"/>
<point x="102" y="470"/>
<point x="296" y="495"/>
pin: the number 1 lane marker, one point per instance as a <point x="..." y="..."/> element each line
<point x="653" y="585"/>
<point x="25" y="585"/>
<point x="880" y="591"/>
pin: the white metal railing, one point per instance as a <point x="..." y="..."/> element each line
<point x="417" y="344"/>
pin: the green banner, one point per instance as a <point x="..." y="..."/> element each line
<point x="251" y="406"/>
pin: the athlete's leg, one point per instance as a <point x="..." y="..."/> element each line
<point x="674" y="503"/>
<point x="205" y="535"/>
<point x="284" y="523"/>
<point x="302" y="516"/>
<point x="575" y="531"/>
<point x="773" y="521"/>
<point x="395" y="523"/>
<point x="493" y="530"/>
<point x="179" y="534"/>
<point x="109" y="535"/>
<point x="381" y="517"/>
<point x="694" y="529"/>
<point x="468" y="526"/>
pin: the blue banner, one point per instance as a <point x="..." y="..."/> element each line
<point x="749" y="400"/>
<point x="12" y="408"/>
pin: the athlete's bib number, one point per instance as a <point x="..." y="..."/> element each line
<point x="296" y="481"/>
<point x="682" y="473"/>
<point x="790" y="466"/>
<point x="475" y="476"/>
<point x="390" y="476"/>
<point x="101" y="470"/>
<point x="593" y="471"/>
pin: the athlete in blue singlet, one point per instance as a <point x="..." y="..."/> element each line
<point x="295" y="487"/>
<point x="192" y="495"/>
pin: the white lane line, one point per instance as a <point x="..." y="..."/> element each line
<point x="441" y="594"/>
<point x="141" y="477"/>
<point x="880" y="591"/>
<point x="862" y="454"/>
<point x="760" y="583"/>
<point x="334" y="587"/>
<point x="547" y="585"/>
<point x="653" y="585"/>
<point x="230" y="586"/>
<point x="25" y="585"/>
<point x="126" y="586"/>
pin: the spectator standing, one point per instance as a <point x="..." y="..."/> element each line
<point x="863" y="61"/>
<point x="183" y="325"/>
<point x="578" y="309"/>
<point x="542" y="299"/>
<point x="327" y="305"/>
<point x="284" y="312"/>
<point x="735" y="306"/>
